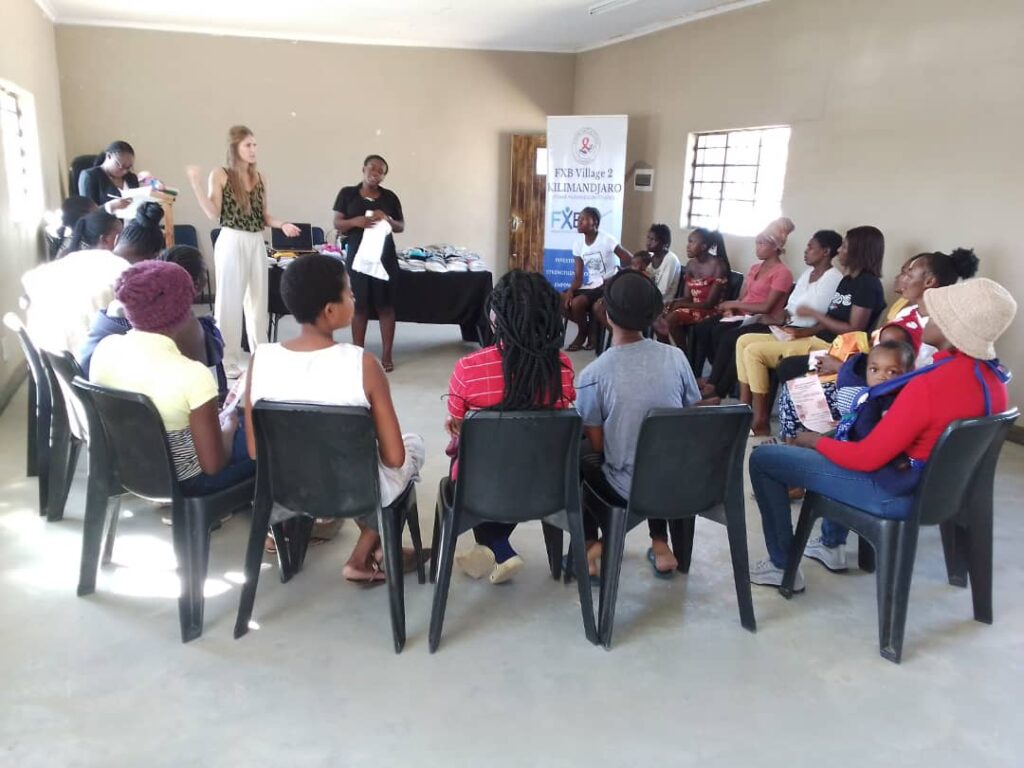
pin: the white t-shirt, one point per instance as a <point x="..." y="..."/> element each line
<point x="599" y="259"/>
<point x="64" y="296"/>
<point x="816" y="295"/>
<point x="666" y="276"/>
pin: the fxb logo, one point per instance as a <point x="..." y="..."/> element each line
<point x="564" y="219"/>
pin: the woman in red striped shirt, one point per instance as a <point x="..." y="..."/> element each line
<point x="964" y="382"/>
<point x="523" y="370"/>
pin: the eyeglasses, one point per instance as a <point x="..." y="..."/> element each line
<point x="122" y="166"/>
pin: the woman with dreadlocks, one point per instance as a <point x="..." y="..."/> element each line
<point x="524" y="370"/>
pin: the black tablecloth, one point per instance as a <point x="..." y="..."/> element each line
<point x="439" y="298"/>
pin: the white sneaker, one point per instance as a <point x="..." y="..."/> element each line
<point x="765" y="574"/>
<point x="476" y="562"/>
<point x="833" y="558"/>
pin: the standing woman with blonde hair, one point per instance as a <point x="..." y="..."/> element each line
<point x="237" y="199"/>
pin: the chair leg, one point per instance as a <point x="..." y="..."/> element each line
<point x="553" y="544"/>
<point x="32" y="447"/>
<point x="283" y="532"/>
<point x="191" y="534"/>
<point x="582" y="571"/>
<point x="299" y="540"/>
<point x="253" y="560"/>
<point x="736" y="527"/>
<point x="446" y="557"/>
<point x="611" y="567"/>
<point x="96" y="501"/>
<point x="435" y="543"/>
<point x="978" y="540"/>
<point x="411" y="514"/>
<point x="391" y="539"/>
<point x="43" y="456"/>
<point x="113" y="516"/>
<point x="896" y="554"/>
<point x="954" y="550"/>
<point x="681" y="535"/>
<point x="865" y="555"/>
<point x="63" y="460"/>
<point x="803" y="532"/>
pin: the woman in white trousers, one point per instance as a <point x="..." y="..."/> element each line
<point x="237" y="198"/>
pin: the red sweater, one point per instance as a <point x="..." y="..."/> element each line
<point x="920" y="414"/>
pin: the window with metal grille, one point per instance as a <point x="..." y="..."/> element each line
<point x="21" y="154"/>
<point x="734" y="179"/>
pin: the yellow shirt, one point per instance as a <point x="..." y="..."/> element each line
<point x="150" y="364"/>
<point x="894" y="309"/>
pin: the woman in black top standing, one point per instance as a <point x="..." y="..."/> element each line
<point x="103" y="184"/>
<point x="356" y="209"/>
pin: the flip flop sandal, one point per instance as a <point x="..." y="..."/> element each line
<point x="388" y="367"/>
<point x="653" y="560"/>
<point x="574" y="347"/>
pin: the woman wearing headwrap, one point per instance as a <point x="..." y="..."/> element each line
<point x="964" y="382"/>
<point x="765" y="289"/>
<point x="208" y="448"/>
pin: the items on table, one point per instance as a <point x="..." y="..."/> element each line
<point x="440" y="258"/>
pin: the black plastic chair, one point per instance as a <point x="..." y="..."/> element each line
<point x="732" y="291"/>
<point x="214" y="234"/>
<point x="185" y="234"/>
<point x="68" y="430"/>
<point x="78" y="166"/>
<point x="956" y="494"/>
<point x="706" y="444"/>
<point x="513" y="467"/>
<point x="318" y="236"/>
<point x="129" y="443"/>
<point x="40" y="412"/>
<point x="321" y="461"/>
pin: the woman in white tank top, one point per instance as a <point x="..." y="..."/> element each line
<point x="314" y="368"/>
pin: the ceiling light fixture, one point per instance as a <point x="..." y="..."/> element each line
<point x="609" y="5"/>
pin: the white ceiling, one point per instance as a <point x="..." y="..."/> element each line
<point x="530" y="25"/>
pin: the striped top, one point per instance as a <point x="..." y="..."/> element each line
<point x="233" y="216"/>
<point x="478" y="382"/>
<point x="150" y="364"/>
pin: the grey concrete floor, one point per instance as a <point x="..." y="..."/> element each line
<point x="105" y="681"/>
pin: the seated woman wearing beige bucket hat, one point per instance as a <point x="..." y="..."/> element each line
<point x="965" y="381"/>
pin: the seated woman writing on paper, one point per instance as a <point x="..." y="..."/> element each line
<point x="357" y="209"/>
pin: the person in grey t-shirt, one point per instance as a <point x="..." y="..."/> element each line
<point x="614" y="394"/>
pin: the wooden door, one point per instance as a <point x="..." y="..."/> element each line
<point x="526" y="211"/>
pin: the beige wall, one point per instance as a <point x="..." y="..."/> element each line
<point x="28" y="60"/>
<point x="906" y="115"/>
<point x="442" y="118"/>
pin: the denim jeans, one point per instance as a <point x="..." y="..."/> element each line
<point x="776" y="468"/>
<point x="239" y="467"/>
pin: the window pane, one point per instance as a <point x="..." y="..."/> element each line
<point x="738" y="192"/>
<point x="746" y="174"/>
<point x="716" y="140"/>
<point x="714" y="156"/>
<point x="541" y="168"/>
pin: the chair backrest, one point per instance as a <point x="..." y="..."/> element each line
<point x="318" y="459"/>
<point x="185" y="234"/>
<point x="735" y="286"/>
<point x="32" y="357"/>
<point x="61" y="371"/>
<point x="965" y="454"/>
<point x="318" y="236"/>
<point x="689" y="460"/>
<point x="135" y="437"/>
<point x="518" y="465"/>
<point x="214" y="234"/>
<point x="78" y="166"/>
<point x="303" y="241"/>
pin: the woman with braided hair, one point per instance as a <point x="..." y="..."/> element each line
<point x="524" y="370"/>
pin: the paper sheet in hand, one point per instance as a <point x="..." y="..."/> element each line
<point x="780" y="333"/>
<point x="811" y="406"/>
<point x="371" y="248"/>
